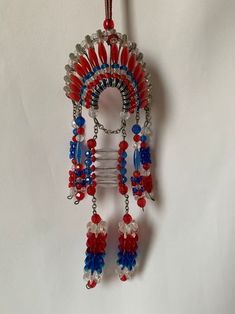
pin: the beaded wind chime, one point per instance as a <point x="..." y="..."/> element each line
<point x="108" y="59"/>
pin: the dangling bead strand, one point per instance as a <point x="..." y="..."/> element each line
<point x="96" y="244"/>
<point x="127" y="247"/>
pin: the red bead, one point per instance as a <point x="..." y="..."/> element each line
<point x="80" y="130"/>
<point x="74" y="161"/>
<point x="132" y="61"/>
<point x="108" y="24"/>
<point x="123" y="189"/>
<point x="79" y="69"/>
<point x="127" y="218"/>
<point x="123" y="278"/>
<point x="146" y="166"/>
<point x="85" y="63"/>
<point x="136" y="138"/>
<point x="93" y="57"/>
<point x="75" y="80"/>
<point x="124" y="56"/>
<point x="123" y="145"/>
<point x="102" y="53"/>
<point x="80" y="196"/>
<point x="74" y="88"/>
<point x="96" y="219"/>
<point x="91" y="284"/>
<point x="91" y="143"/>
<point x="114" y="53"/>
<point x="136" y="174"/>
<point x="93" y="168"/>
<point x="93" y="151"/>
<point x="74" y="139"/>
<point x="148" y="183"/>
<point x="143" y="145"/>
<point x="91" y="190"/>
<point x="141" y="202"/>
<point x="74" y="96"/>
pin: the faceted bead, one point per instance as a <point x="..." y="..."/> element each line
<point x="91" y="190"/>
<point x="127" y="218"/>
<point x="141" y="202"/>
<point x="80" y="130"/>
<point x="123" y="278"/>
<point x="96" y="218"/>
<point x="123" y="145"/>
<point x="136" y="138"/>
<point x="80" y="196"/>
<point x="91" y="284"/>
<point x="108" y="24"/>
<point x="91" y="143"/>
<point x="136" y="129"/>
<point x="123" y="189"/>
<point x="80" y="121"/>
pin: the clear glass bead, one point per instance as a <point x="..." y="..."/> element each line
<point x="80" y="138"/>
<point x="124" y="115"/>
<point x="146" y="131"/>
<point x="74" y="125"/>
<point x="93" y="113"/>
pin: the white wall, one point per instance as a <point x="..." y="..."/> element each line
<point x="186" y="251"/>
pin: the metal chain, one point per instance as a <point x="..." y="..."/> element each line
<point x="148" y="117"/>
<point x="77" y="110"/>
<point x="127" y="203"/>
<point x="96" y="130"/>
<point x="108" y="131"/>
<point x="94" y="205"/>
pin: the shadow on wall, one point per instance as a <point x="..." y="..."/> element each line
<point x="159" y="116"/>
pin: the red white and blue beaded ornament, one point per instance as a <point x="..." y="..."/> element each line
<point x="108" y="59"/>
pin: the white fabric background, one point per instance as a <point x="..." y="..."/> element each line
<point x="187" y="240"/>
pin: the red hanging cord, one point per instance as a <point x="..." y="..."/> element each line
<point x="108" y="22"/>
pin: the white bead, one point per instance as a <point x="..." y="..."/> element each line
<point x="74" y="125"/>
<point x="124" y="115"/>
<point x="93" y="112"/>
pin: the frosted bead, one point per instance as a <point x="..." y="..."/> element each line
<point x="146" y="131"/>
<point x="124" y="115"/>
<point x="93" y="113"/>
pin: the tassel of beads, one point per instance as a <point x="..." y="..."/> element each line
<point x="96" y="244"/>
<point x="77" y="184"/>
<point x="127" y="247"/>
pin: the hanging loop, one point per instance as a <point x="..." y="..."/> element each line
<point x="108" y="22"/>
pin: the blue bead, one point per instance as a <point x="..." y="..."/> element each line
<point x="87" y="171"/>
<point x="136" y="129"/>
<point x="80" y="121"/>
<point x="124" y="155"/>
<point x="88" y="162"/>
<point x="134" y="190"/>
<point x="124" y="179"/>
<point x="75" y="131"/>
<point x="88" y="153"/>
<point x="143" y="138"/>
<point x="88" y="180"/>
<point x="123" y="163"/>
<point x="123" y="171"/>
